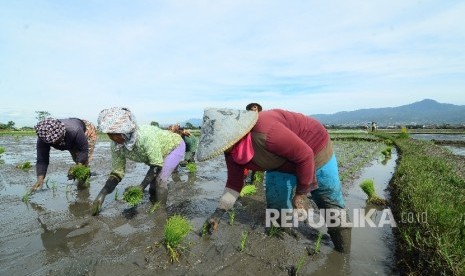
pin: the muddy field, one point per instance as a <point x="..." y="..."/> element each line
<point x="53" y="232"/>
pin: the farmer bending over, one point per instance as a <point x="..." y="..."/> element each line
<point x="294" y="150"/>
<point x="74" y="135"/>
<point x="160" y="149"/>
<point x="190" y="140"/>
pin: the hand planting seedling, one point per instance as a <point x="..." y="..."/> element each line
<point x="176" y="229"/>
<point x="133" y="195"/>
<point x="81" y="173"/>
<point x="248" y="190"/>
<point x="368" y="186"/>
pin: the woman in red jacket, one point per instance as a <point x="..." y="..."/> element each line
<point x="283" y="143"/>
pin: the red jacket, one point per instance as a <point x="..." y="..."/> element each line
<point x="283" y="141"/>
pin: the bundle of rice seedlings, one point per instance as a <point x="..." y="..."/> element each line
<point x="248" y="190"/>
<point x="25" y="166"/>
<point x="176" y="229"/>
<point x="368" y="186"/>
<point x="387" y="152"/>
<point x="191" y="167"/>
<point x="81" y="173"/>
<point x="133" y="195"/>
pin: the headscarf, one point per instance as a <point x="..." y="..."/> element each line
<point x="119" y="120"/>
<point x="51" y="131"/>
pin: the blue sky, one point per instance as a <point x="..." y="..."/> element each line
<point x="168" y="60"/>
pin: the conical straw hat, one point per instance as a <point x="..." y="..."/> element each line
<point x="221" y="129"/>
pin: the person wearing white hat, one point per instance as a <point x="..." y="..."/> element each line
<point x="161" y="150"/>
<point x="294" y="149"/>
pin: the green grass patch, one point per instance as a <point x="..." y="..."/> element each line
<point x="133" y="195"/>
<point x="426" y="186"/>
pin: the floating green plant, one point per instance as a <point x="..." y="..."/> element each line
<point x="248" y="190"/>
<point x="243" y="241"/>
<point x="232" y="216"/>
<point x="191" y="167"/>
<point x="25" y="166"/>
<point x="133" y="195"/>
<point x="81" y="173"/>
<point x="176" y="229"/>
<point x="368" y="186"/>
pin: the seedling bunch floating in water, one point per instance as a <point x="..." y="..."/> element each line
<point x="176" y="229"/>
<point x="368" y="186"/>
<point x="133" y="195"/>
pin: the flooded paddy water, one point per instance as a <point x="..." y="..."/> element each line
<point x="53" y="232"/>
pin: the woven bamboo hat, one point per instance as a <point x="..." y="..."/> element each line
<point x="221" y="129"/>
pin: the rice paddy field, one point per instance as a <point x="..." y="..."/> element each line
<point x="51" y="232"/>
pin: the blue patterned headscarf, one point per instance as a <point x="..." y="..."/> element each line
<point x="51" y="131"/>
<point x="119" y="120"/>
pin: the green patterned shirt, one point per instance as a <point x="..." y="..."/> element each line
<point x="152" y="146"/>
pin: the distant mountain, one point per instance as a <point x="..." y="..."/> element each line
<point x="425" y="112"/>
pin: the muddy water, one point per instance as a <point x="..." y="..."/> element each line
<point x="53" y="233"/>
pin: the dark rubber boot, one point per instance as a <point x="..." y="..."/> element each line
<point x="97" y="205"/>
<point x="158" y="193"/>
<point x="341" y="238"/>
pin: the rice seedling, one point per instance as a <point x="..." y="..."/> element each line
<point x="368" y="186"/>
<point x="248" y="190"/>
<point x="232" y="216"/>
<point x="25" y="166"/>
<point x="258" y="178"/>
<point x="116" y="194"/>
<point x="155" y="207"/>
<point x="81" y="173"/>
<point x="318" y="242"/>
<point x="176" y="229"/>
<point x="243" y="241"/>
<point x="2" y="150"/>
<point x="133" y="195"/>
<point x="26" y="196"/>
<point x="191" y="167"/>
<point x="274" y="231"/>
<point x="300" y="263"/>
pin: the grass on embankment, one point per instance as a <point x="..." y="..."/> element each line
<point x="428" y="201"/>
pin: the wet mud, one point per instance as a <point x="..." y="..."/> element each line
<point x="53" y="232"/>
